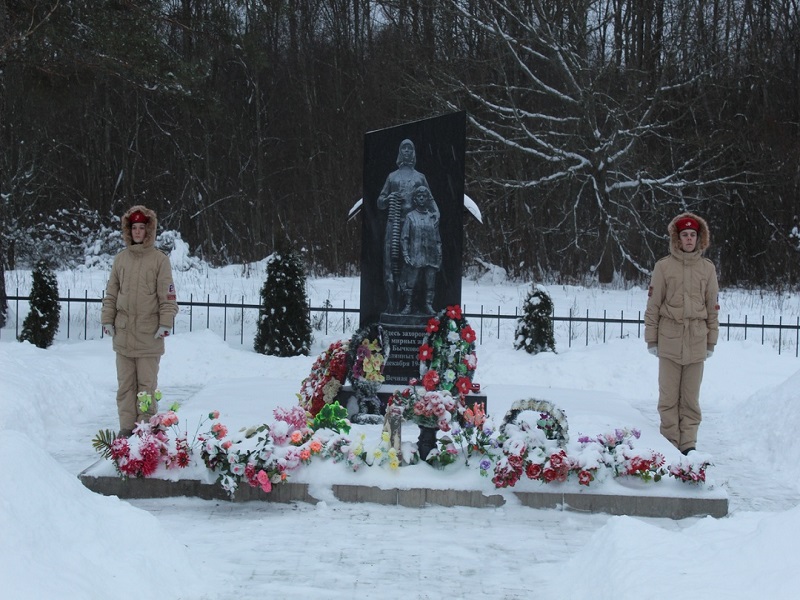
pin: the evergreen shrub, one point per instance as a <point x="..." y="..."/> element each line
<point x="41" y="324"/>
<point x="534" y="331"/>
<point x="284" y="324"/>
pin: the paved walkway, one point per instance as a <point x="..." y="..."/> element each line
<point x="259" y="550"/>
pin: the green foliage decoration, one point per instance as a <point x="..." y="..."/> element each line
<point x="332" y="416"/>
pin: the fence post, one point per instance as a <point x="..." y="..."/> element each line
<point x="569" y="335"/>
<point x="69" y="305"/>
<point x="191" y="311"/>
<point x="241" y="335"/>
<point x="780" y="331"/>
<point x="762" y="330"/>
<point x="208" y="311"/>
<point x="587" y="326"/>
<point x="481" y="323"/>
<point x="225" y="319"/>
<point x="498" y="321"/>
<point x="86" y="314"/>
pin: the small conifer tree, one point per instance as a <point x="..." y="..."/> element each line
<point x="41" y="324"/>
<point x="284" y="323"/>
<point x="535" y="327"/>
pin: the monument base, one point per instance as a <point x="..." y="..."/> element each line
<point x="405" y="334"/>
<point x="582" y="501"/>
<point x="346" y="397"/>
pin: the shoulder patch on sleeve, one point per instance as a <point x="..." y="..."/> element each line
<point x="171" y="292"/>
<point x="650" y="292"/>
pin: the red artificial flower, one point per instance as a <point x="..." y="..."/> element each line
<point x="585" y="477"/>
<point x="454" y="312"/>
<point x="464" y="385"/>
<point x="431" y="380"/>
<point x="534" y="471"/>
<point x="433" y="325"/>
<point x="425" y="352"/>
<point x="468" y="334"/>
<point x="557" y="459"/>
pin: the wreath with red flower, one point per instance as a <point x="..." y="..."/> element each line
<point x="327" y="376"/>
<point x="447" y="354"/>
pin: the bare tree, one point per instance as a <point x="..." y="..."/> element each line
<point x="593" y="124"/>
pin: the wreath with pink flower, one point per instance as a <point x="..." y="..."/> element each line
<point x="326" y="378"/>
<point x="447" y="354"/>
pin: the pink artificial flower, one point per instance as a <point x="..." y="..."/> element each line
<point x="219" y="430"/>
<point x="263" y="481"/>
<point x="305" y="454"/>
<point x="315" y="446"/>
<point x="471" y="361"/>
<point x="227" y="444"/>
<point x="297" y="437"/>
<point x="213" y="414"/>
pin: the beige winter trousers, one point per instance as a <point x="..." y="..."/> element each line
<point x="679" y="402"/>
<point x="135" y="375"/>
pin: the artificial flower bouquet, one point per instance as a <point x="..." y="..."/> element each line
<point x="328" y="374"/>
<point x="447" y="354"/>
<point x="436" y="409"/>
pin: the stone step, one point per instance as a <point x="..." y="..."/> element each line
<point x="631" y="505"/>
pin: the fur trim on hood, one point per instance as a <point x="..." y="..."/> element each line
<point x="150" y="227"/>
<point x="703" y="236"/>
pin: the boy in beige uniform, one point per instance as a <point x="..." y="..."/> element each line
<point x="682" y="327"/>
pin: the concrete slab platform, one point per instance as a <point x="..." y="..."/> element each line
<point x="649" y="505"/>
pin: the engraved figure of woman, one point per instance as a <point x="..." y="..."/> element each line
<point x="396" y="199"/>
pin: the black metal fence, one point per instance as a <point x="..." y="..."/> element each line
<point x="80" y="318"/>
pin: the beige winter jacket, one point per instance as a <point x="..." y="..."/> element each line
<point x="140" y="295"/>
<point x="682" y="316"/>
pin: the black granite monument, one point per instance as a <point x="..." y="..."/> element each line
<point x="412" y="237"/>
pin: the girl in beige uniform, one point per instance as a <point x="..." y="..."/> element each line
<point x="682" y="327"/>
<point x="138" y="312"/>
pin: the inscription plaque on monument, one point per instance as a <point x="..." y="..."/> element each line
<point x="411" y="232"/>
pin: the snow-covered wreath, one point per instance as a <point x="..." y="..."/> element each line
<point x="541" y="414"/>
<point x="447" y="354"/>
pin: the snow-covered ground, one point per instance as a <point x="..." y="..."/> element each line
<point x="61" y="541"/>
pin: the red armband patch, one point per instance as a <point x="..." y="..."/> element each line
<point x="650" y="292"/>
<point x="171" y="292"/>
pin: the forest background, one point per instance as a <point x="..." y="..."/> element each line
<point x="591" y="123"/>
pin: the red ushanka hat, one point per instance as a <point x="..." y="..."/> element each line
<point x="138" y="217"/>
<point x="688" y="223"/>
